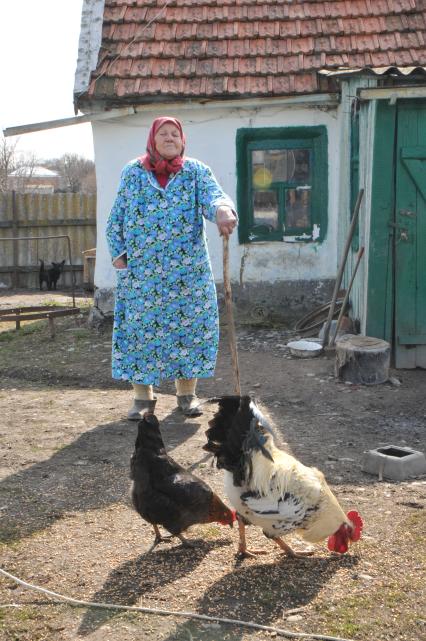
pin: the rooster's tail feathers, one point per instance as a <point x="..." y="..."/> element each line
<point x="237" y="429"/>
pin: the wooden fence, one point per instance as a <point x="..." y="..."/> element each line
<point x="33" y="214"/>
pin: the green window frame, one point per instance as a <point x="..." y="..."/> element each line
<point x="310" y="142"/>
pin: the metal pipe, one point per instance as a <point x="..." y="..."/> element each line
<point x="15" y="250"/>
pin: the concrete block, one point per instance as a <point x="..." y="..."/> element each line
<point x="394" y="462"/>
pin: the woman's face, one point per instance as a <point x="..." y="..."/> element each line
<point x="168" y="142"/>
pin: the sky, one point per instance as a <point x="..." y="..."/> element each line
<point x="38" y="54"/>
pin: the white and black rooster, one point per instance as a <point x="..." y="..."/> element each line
<point x="269" y="487"/>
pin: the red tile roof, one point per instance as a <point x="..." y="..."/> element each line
<point x="177" y="49"/>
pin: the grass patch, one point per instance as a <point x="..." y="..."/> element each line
<point x="12" y="544"/>
<point x="59" y="447"/>
<point x="81" y="333"/>
<point x="211" y="532"/>
<point x="22" y="624"/>
<point x="11" y="537"/>
<point x="349" y="618"/>
<point x="362" y="614"/>
<point x="27" y="328"/>
<point x="416" y="526"/>
<point x="21" y="614"/>
<point x="82" y="303"/>
<point x="37" y="348"/>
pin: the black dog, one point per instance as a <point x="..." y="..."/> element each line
<point x="50" y="275"/>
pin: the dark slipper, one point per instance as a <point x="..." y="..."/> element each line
<point x="189" y="404"/>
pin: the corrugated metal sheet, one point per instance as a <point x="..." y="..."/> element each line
<point x="377" y="71"/>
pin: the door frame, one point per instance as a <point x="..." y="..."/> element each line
<point x="380" y="286"/>
<point x="380" y="308"/>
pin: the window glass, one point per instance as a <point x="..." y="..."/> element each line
<point x="297" y="208"/>
<point x="302" y="171"/>
<point x="265" y="209"/>
<point x="280" y="165"/>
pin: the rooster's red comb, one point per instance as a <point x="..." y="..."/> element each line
<point x="357" y="523"/>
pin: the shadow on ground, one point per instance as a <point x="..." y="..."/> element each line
<point x="145" y="576"/>
<point x="257" y="593"/>
<point x="261" y="593"/>
<point x="90" y="473"/>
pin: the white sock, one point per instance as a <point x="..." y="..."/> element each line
<point x="143" y="392"/>
<point x="185" y="386"/>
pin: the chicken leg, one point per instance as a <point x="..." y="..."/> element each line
<point x="288" y="551"/>
<point x="185" y="542"/>
<point x="243" y="552"/>
<point x="158" y="537"/>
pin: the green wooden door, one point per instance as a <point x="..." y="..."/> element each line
<point x="410" y="236"/>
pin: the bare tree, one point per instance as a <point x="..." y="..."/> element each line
<point x="20" y="164"/>
<point x="8" y="160"/>
<point x="88" y="185"/>
<point x="77" y="172"/>
<point x="21" y="178"/>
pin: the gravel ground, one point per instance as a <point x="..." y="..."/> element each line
<point x="67" y="524"/>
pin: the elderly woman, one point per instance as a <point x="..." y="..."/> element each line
<point x="166" y="317"/>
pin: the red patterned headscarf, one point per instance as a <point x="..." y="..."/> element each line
<point x="152" y="159"/>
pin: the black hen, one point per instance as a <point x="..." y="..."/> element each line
<point x="166" y="494"/>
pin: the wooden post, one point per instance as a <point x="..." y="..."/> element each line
<point x="72" y="270"/>
<point x="51" y="321"/>
<point x="230" y="317"/>
<point x="15" y="273"/>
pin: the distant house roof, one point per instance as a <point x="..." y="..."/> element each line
<point x="185" y="49"/>
<point x="34" y="172"/>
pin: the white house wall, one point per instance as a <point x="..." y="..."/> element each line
<point x="211" y="136"/>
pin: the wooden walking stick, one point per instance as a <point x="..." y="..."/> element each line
<point x="230" y="317"/>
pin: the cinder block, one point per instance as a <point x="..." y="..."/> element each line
<point x="394" y="462"/>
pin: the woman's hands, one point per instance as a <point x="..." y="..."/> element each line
<point x="120" y="262"/>
<point x="226" y="220"/>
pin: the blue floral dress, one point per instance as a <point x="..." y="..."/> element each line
<point x="166" y="318"/>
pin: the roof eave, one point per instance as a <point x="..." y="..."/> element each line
<point x="112" y="102"/>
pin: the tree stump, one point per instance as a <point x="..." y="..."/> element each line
<point x="362" y="359"/>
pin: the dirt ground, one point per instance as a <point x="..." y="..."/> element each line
<point x="67" y="524"/>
